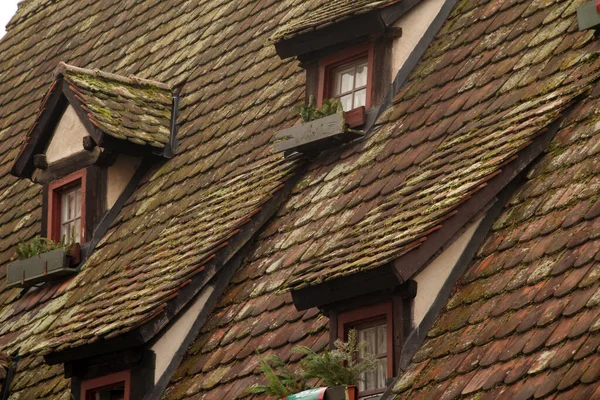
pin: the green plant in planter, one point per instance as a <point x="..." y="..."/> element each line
<point x="36" y="246"/>
<point x="334" y="368"/>
<point x="309" y="112"/>
<point x="281" y="382"/>
<point x="340" y="366"/>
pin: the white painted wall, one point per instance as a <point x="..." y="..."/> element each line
<point x="433" y="277"/>
<point x="119" y="175"/>
<point x="67" y="138"/>
<point x="413" y="24"/>
<point x="168" y="344"/>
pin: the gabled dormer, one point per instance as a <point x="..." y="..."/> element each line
<point x="94" y="135"/>
<point x="358" y="52"/>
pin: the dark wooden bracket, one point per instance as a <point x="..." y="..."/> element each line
<point x="39" y="161"/>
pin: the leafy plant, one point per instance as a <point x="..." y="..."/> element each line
<point x="334" y="368"/>
<point x="340" y="366"/>
<point x="36" y="246"/>
<point x="309" y="112"/>
<point x="281" y="381"/>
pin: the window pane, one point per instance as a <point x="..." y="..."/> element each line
<point x="70" y="217"/>
<point x="381" y="372"/>
<point x="361" y="75"/>
<point x="344" y="80"/>
<point x="369" y="381"/>
<point x="64" y="231"/>
<point x="346" y="102"/>
<point x="381" y="339"/>
<point x="360" y="98"/>
<point x="376" y="338"/>
<point x="76" y="232"/>
<point x="110" y="394"/>
<point x="77" y="200"/>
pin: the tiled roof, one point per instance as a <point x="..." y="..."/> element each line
<point x="127" y="108"/>
<point x="490" y="58"/>
<point x="315" y="15"/>
<point x="237" y="94"/>
<point x="471" y="106"/>
<point x="524" y="320"/>
<point x="497" y="75"/>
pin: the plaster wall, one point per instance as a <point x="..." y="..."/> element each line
<point x="119" y="175"/>
<point x="170" y="342"/>
<point x="413" y="24"/>
<point x="433" y="277"/>
<point x="67" y="138"/>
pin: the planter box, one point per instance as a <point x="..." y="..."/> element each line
<point x="315" y="136"/>
<point x="43" y="267"/>
<point x="588" y="15"/>
<point x="332" y="393"/>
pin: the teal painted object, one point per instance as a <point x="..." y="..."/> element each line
<point x="311" y="394"/>
<point x="588" y="16"/>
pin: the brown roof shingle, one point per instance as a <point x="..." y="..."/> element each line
<point x="315" y="15"/>
<point x="127" y="108"/>
<point x="497" y="75"/>
<point x="525" y="315"/>
<point x="183" y="209"/>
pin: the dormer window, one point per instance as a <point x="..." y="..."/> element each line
<point x="347" y="76"/>
<point x="66" y="209"/>
<point x="116" y="386"/>
<point x="70" y="215"/>
<point x="351" y="84"/>
<point x="86" y="147"/>
<point x="373" y="325"/>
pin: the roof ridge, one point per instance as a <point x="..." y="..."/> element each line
<point x="64" y="69"/>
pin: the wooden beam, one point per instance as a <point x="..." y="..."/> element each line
<point x="345" y="288"/>
<point x="363" y="25"/>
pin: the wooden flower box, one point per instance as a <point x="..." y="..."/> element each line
<point x="319" y="135"/>
<point x="43" y="267"/>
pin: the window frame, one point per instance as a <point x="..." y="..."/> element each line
<point x="328" y="65"/>
<point x="55" y="189"/>
<point x="370" y="315"/>
<point x="90" y="386"/>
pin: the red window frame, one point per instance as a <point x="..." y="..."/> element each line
<point x="89" y="387"/>
<point x="363" y="316"/>
<point x="54" y="203"/>
<point x="328" y="65"/>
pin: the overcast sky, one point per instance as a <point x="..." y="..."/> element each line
<point x="7" y="10"/>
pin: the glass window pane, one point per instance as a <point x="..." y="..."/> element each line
<point x="76" y="232"/>
<point x="64" y="231"/>
<point x="360" y="98"/>
<point x="77" y="200"/>
<point x="381" y="339"/>
<point x="346" y="102"/>
<point x="64" y="205"/>
<point x="344" y="81"/>
<point x="361" y="75"/>
<point x="370" y="380"/>
<point x="381" y="372"/>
